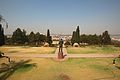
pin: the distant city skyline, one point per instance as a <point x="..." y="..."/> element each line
<point x="62" y="16"/>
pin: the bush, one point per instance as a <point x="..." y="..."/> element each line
<point x="116" y="43"/>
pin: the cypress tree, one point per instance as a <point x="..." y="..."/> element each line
<point x="48" y="38"/>
<point x="73" y="37"/>
<point x="77" y="35"/>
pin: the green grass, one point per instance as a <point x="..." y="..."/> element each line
<point x="93" y="49"/>
<point x="24" y="68"/>
<point x="72" y="69"/>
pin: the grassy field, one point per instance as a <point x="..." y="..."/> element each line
<point x="93" y="49"/>
<point x="27" y="49"/>
<point x="72" y="69"/>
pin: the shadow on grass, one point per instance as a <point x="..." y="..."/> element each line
<point x="10" y="68"/>
<point x="118" y="67"/>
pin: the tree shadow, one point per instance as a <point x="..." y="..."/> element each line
<point x="10" y="68"/>
<point x="118" y="67"/>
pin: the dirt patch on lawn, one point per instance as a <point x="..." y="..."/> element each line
<point x="63" y="76"/>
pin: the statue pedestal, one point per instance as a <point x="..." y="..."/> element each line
<point x="60" y="55"/>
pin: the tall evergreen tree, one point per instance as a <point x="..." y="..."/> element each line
<point x="48" y="38"/>
<point x="73" y="37"/>
<point x="77" y="35"/>
<point x="2" y="38"/>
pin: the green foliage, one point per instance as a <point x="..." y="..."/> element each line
<point x="31" y="38"/>
<point x="73" y="37"/>
<point x="19" y="37"/>
<point x="90" y="39"/>
<point x="115" y="43"/>
<point x="76" y="36"/>
<point x="106" y="40"/>
<point x="103" y="39"/>
<point x="39" y="38"/>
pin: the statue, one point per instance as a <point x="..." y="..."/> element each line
<point x="60" y="45"/>
<point x="60" y="54"/>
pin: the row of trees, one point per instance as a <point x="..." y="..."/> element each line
<point x="103" y="39"/>
<point x="20" y="37"/>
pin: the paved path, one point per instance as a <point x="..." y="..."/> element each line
<point x="65" y="53"/>
<point x="93" y="55"/>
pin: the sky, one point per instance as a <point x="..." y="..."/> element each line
<point x="62" y="16"/>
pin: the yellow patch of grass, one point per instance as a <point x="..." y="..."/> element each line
<point x="39" y="50"/>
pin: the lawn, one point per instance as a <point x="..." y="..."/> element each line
<point x="27" y="49"/>
<point x="72" y="69"/>
<point x="93" y="49"/>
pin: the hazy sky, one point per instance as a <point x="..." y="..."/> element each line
<point x="62" y="16"/>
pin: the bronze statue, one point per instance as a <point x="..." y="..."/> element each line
<point x="60" y="53"/>
<point x="60" y="45"/>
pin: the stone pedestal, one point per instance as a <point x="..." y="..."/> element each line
<point x="60" y="55"/>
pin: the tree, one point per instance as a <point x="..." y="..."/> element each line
<point x="106" y="40"/>
<point x="77" y="35"/>
<point x="2" y="38"/>
<point x="84" y="38"/>
<point x="73" y="37"/>
<point x="19" y="36"/>
<point x="48" y="38"/>
<point x="25" y="38"/>
<point x="42" y="38"/>
<point x="37" y="37"/>
<point x="31" y="38"/>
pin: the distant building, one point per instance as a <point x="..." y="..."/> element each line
<point x="56" y="38"/>
<point x="115" y="37"/>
